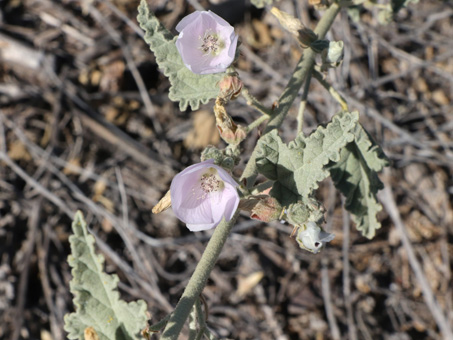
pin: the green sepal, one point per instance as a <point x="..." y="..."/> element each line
<point x="96" y="298"/>
<point x="187" y="87"/>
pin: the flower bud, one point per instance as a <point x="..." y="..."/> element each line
<point x="333" y="55"/>
<point x="228" y="163"/>
<point x="311" y="237"/>
<point x="211" y="152"/>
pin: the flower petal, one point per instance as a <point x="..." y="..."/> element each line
<point x="193" y="29"/>
<point x="199" y="209"/>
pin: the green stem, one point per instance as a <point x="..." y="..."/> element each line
<point x="252" y="101"/>
<point x="303" y="103"/>
<point x="291" y="90"/>
<point x="198" y="279"/>
<point x="334" y="93"/>
<point x="257" y="122"/>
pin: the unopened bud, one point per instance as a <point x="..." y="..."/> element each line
<point x="211" y="152"/>
<point x="311" y="237"/>
<point x="333" y="55"/>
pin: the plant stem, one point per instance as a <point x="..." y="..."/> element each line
<point x="257" y="122"/>
<point x="334" y="93"/>
<point x="198" y="279"/>
<point x="305" y="64"/>
<point x="303" y="103"/>
<point x="252" y="101"/>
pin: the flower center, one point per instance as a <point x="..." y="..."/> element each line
<point x="210" y="182"/>
<point x="211" y="43"/>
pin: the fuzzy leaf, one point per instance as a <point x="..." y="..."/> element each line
<point x="186" y="87"/>
<point x="97" y="301"/>
<point x="297" y="167"/>
<point x="355" y="175"/>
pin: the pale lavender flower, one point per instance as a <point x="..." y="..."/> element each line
<point x="312" y="238"/>
<point x="206" y="42"/>
<point x="203" y="194"/>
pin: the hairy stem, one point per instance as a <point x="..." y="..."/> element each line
<point x="257" y="122"/>
<point x="252" y="101"/>
<point x="198" y="279"/>
<point x="334" y="93"/>
<point x="303" y="103"/>
<point x="304" y="66"/>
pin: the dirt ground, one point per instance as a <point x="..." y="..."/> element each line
<point x="86" y="123"/>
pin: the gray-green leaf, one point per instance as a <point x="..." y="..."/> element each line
<point x="186" y="87"/>
<point x="297" y="167"/>
<point x="355" y="175"/>
<point x="96" y="298"/>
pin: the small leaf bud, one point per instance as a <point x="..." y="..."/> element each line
<point x="228" y="163"/>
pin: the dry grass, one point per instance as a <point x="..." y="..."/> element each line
<point x="85" y="123"/>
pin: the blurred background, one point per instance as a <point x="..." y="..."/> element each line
<point x="86" y="123"/>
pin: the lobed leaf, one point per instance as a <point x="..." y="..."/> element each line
<point x="186" y="87"/>
<point x="355" y="175"/>
<point x="297" y="167"/>
<point x="97" y="301"/>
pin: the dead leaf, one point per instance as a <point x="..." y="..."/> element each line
<point x="247" y="283"/>
<point x="204" y="131"/>
<point x="90" y="334"/>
